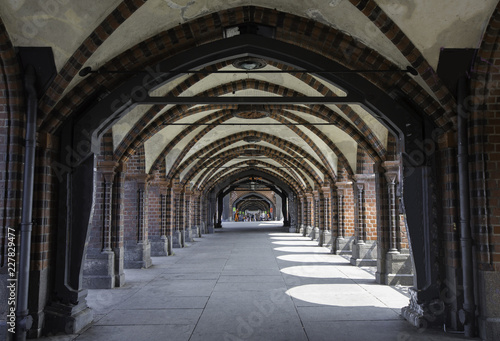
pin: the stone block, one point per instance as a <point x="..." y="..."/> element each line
<point x="68" y="319"/>
<point x="177" y="239"/>
<point x="188" y="235"/>
<point x="364" y="254"/>
<point x="489" y="309"/>
<point x="137" y="256"/>
<point x="159" y="247"/>
<point x="99" y="271"/>
<point x="344" y="246"/>
<point x="119" y="266"/>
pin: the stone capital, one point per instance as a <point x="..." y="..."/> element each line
<point x="142" y="180"/>
<point x="107" y="169"/>
<point x="360" y="186"/>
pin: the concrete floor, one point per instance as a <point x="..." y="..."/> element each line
<point x="251" y="281"/>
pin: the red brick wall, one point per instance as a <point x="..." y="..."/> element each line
<point x="45" y="203"/>
<point x="349" y="211"/>
<point x="135" y="170"/>
<point x="12" y="112"/>
<point x="370" y="197"/>
<point x="484" y="147"/>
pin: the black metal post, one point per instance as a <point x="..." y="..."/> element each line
<point x="467" y="315"/>
<point x="24" y="321"/>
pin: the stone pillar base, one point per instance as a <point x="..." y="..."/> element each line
<point x="177" y="239"/>
<point x="364" y="254"/>
<point x="119" y="266"/>
<point x="159" y="247"/>
<point x="314" y="233"/>
<point x="138" y="256"/>
<point x="309" y="232"/>
<point x="327" y="239"/>
<point x="398" y="268"/>
<point x="489" y="311"/>
<point x="292" y="230"/>
<point x="99" y="271"/>
<point x="182" y="233"/>
<point x="188" y="235"/>
<point x="210" y="229"/>
<point x="196" y="231"/>
<point x="68" y="319"/>
<point x="321" y="237"/>
<point x="343" y="246"/>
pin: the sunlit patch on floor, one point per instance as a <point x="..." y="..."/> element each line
<point x="314" y="271"/>
<point x="310" y="258"/>
<point x="302" y="249"/>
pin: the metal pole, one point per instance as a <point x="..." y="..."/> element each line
<point x="467" y="315"/>
<point x="23" y="320"/>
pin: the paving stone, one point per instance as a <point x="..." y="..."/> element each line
<point x="252" y="283"/>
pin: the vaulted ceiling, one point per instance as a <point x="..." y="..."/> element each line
<point x="302" y="144"/>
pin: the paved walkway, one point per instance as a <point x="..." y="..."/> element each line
<point x="251" y="281"/>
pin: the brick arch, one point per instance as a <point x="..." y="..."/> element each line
<point x="210" y="185"/>
<point x="231" y="153"/>
<point x="136" y="164"/>
<point x="244" y="195"/>
<point x="294" y="178"/>
<point x="291" y="29"/>
<point x="230" y="139"/>
<point x="129" y="143"/>
<point x="368" y="140"/>
<point x="341" y="157"/>
<point x="12" y="113"/>
<point x="291" y="181"/>
<point x="224" y="116"/>
<point x="305" y="78"/>
<point x="103" y="31"/>
<point x="392" y="31"/>
<point x="107" y="145"/>
<point x="483" y="143"/>
<point x="138" y="135"/>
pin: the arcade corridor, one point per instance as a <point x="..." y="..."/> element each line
<point x="252" y="281"/>
<point x="131" y="131"/>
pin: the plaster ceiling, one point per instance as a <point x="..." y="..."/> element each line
<point x="430" y="25"/>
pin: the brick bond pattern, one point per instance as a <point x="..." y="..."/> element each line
<point x="484" y="146"/>
<point x="483" y="131"/>
<point x="289" y="28"/>
<point x="12" y="112"/>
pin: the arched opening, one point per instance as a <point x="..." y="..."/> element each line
<point x="140" y="150"/>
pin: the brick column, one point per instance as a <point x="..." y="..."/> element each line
<point x="327" y="216"/>
<point x="319" y="216"/>
<point x="45" y="217"/>
<point x="117" y="236"/>
<point x="333" y="221"/>
<point x="364" y="250"/>
<point x="188" y="232"/>
<point x="195" y="213"/>
<point x="310" y="213"/>
<point x="99" y="266"/>
<point x="160" y="243"/>
<point x="178" y="238"/>
<point x="138" y="249"/>
<point x="303" y="205"/>
<point x="345" y="220"/>
<point x="398" y="268"/>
